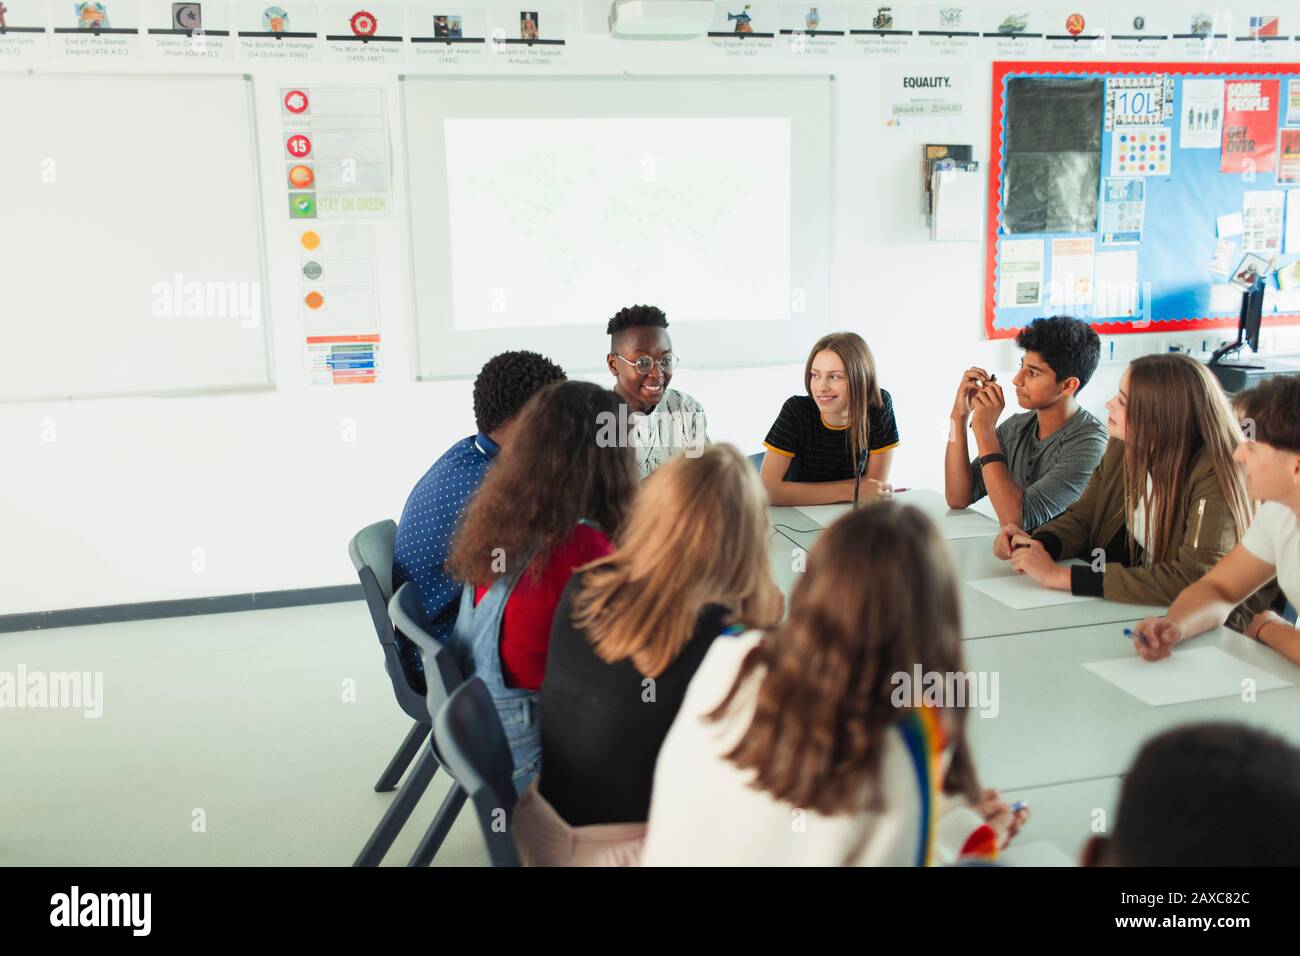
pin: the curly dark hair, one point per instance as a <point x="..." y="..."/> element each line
<point x="556" y="470"/>
<point x="506" y="383"/>
<point x="1068" y="345"/>
<point x="637" y="316"/>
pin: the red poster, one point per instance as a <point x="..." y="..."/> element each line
<point x="1249" y="126"/>
<point x="1288" y="168"/>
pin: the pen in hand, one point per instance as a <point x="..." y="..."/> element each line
<point x="1129" y="632"/>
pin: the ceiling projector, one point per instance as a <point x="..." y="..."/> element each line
<point x="660" y="19"/>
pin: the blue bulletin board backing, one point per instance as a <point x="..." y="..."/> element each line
<point x="1179" y="227"/>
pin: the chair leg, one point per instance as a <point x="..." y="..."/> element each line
<point x="399" y="810"/>
<point x="402" y="759"/>
<point x="440" y="826"/>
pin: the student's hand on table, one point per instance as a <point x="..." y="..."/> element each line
<point x="971" y="380"/>
<point x="1002" y="543"/>
<point x="1262" y="618"/>
<point x="871" y="489"/>
<point x="986" y="407"/>
<point x="1160" y="633"/>
<point x="997" y="813"/>
<point x="1030" y="557"/>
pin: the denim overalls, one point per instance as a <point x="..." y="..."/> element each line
<point x="476" y="644"/>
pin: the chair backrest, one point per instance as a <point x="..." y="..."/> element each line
<point x="371" y="551"/>
<point x="442" y="676"/>
<point x="475" y="751"/>
<point x="757" y="460"/>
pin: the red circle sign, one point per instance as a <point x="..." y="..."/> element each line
<point x="295" y="101"/>
<point x="1075" y="24"/>
<point x="298" y="146"/>
<point x="364" y="23"/>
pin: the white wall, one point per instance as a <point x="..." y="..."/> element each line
<point x="113" y="501"/>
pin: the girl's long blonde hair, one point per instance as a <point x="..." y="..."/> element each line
<point x="1176" y="408"/>
<point x="696" y="535"/>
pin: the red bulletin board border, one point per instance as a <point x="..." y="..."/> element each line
<point x="1028" y="67"/>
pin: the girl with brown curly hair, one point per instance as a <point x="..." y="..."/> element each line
<point x="552" y="502"/>
<point x="794" y="747"/>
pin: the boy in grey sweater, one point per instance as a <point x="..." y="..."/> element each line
<point x="1036" y="463"/>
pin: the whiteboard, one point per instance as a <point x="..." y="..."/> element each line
<point x="540" y="206"/>
<point x="131" y="253"/>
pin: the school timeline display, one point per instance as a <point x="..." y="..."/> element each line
<point x="1118" y="192"/>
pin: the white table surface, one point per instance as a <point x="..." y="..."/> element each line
<point x="982" y="616"/>
<point x="1058" y="722"/>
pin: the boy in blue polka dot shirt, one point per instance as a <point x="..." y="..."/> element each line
<point x="503" y="387"/>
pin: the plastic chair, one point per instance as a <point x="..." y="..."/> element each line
<point x="371" y="551"/>
<point x="442" y="677"/>
<point x="757" y="459"/>
<point x="469" y="735"/>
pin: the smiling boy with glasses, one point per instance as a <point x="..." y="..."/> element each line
<point x="661" y="420"/>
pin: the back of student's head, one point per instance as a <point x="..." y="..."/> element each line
<point x="558" y="468"/>
<point x="505" y="384"/>
<point x="1069" y="346"/>
<point x="1213" y="794"/>
<point x="1270" y="412"/>
<point x="1176" y="410"/>
<point x="696" y="535"/>
<point x="878" y="597"/>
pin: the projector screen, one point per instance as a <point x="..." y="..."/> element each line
<point x="540" y="207"/>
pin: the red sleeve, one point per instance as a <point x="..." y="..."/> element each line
<point x="526" y="624"/>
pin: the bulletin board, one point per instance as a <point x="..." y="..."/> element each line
<point x="1107" y="182"/>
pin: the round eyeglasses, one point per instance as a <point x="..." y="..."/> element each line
<point x="645" y="364"/>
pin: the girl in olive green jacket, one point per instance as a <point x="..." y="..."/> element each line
<point x="1163" y="506"/>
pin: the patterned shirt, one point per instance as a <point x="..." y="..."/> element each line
<point x="676" y="423"/>
<point x="425" y="531"/>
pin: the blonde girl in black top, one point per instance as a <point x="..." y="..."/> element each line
<point x="844" y="423"/>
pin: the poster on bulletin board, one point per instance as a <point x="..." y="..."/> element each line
<point x="1119" y="192"/>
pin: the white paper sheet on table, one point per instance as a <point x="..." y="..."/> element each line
<point x="951" y="527"/>
<point x="1036" y="853"/>
<point x="1200" y="674"/>
<point x="1021" y="592"/>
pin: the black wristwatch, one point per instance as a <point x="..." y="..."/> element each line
<point x="989" y="459"/>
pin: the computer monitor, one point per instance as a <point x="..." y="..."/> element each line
<point x="1248" y="323"/>
<point x="1252" y="314"/>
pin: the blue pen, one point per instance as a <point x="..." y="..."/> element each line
<point x="1018" y="806"/>
<point x="1128" y="632"/>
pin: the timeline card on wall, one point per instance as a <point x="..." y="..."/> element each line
<point x="1138" y="33"/>
<point x="96" y="31"/>
<point x="949" y="30"/>
<point x="23" y="37"/>
<point x="534" y="37"/>
<point x="743" y="29"/>
<point x="1075" y="33"/>
<point x="447" y="36"/>
<point x="364" y="33"/>
<point x="283" y="31"/>
<point x="1011" y="33"/>
<point x="812" y="31"/>
<point x="188" y="32"/>
<point x="882" y="30"/>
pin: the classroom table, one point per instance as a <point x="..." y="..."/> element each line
<point x="1058" y="722"/>
<point x="982" y="616"/>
